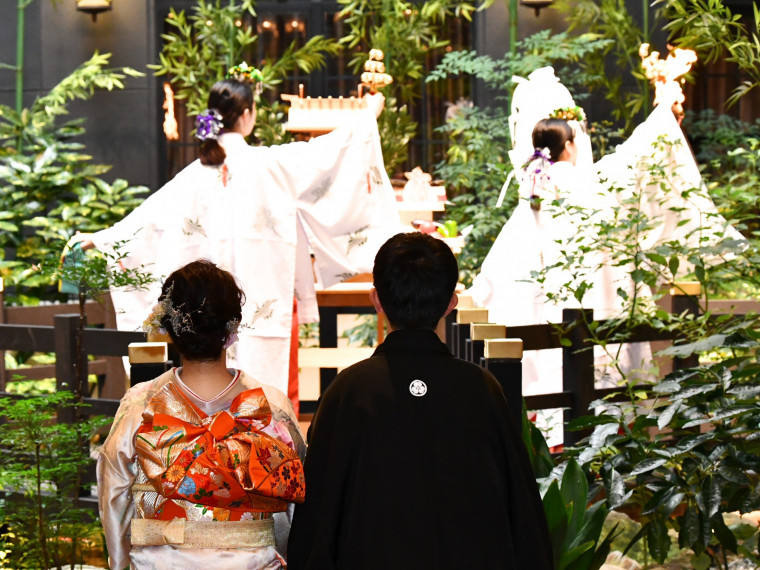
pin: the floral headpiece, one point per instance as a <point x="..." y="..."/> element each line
<point x="537" y="171"/>
<point x="180" y="321"/>
<point x="208" y="125"/>
<point x="245" y="73"/>
<point x="569" y="114"/>
<point x="539" y="153"/>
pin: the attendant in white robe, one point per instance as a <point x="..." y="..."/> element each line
<point x="530" y="241"/>
<point x="676" y="203"/>
<point x="259" y="212"/>
<point x="202" y="464"/>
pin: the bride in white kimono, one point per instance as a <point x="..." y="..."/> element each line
<point x="258" y="212"/>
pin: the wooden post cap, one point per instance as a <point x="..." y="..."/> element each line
<point x="693" y="288"/>
<point x="483" y="331"/>
<point x="465" y="302"/>
<point x="503" y="348"/>
<point x="465" y="316"/>
<point x="145" y="352"/>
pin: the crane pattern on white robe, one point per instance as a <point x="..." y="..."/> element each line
<point x="329" y="197"/>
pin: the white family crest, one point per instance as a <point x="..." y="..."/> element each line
<point x="418" y="388"/>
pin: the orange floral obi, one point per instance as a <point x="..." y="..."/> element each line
<point x="224" y="461"/>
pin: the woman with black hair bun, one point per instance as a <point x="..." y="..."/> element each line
<point x="203" y="464"/>
<point x="542" y="225"/>
<point x="262" y="213"/>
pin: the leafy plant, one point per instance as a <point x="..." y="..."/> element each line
<point x="40" y="480"/>
<point x="364" y="333"/>
<point x="575" y="529"/>
<point x="575" y="526"/>
<point x="649" y="454"/>
<point x="49" y="187"/>
<point x="216" y="36"/>
<point x="410" y="35"/>
<point x="476" y="165"/>
<point x="729" y="151"/>
<point x="713" y="31"/>
<point x="476" y="168"/>
<point x="90" y="274"/>
<point x="656" y="462"/>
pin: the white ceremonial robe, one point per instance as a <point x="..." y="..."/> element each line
<point x="530" y="240"/>
<point x="684" y="212"/>
<point x="330" y="195"/>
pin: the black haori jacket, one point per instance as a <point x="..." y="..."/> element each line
<point x="414" y="461"/>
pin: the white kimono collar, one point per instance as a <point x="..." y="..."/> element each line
<point x="232" y="141"/>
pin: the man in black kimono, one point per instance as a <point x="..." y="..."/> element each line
<point x="414" y="460"/>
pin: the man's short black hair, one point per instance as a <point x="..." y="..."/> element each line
<point x="415" y="276"/>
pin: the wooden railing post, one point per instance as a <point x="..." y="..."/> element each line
<point x="451" y="331"/>
<point x="450" y="322"/>
<point x="503" y="358"/>
<point x="65" y="342"/>
<point x="479" y="333"/>
<point x="577" y="368"/>
<point x="464" y="318"/>
<point x="328" y="338"/>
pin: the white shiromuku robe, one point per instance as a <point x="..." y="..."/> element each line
<point x="258" y="217"/>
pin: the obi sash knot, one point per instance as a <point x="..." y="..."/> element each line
<point x="224" y="460"/>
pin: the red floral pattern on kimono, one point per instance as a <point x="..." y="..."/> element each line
<point x="224" y="462"/>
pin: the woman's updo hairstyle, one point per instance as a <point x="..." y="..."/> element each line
<point x="552" y="134"/>
<point x="202" y="308"/>
<point x="230" y="98"/>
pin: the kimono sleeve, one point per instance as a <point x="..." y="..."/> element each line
<point x="343" y="196"/>
<point x="145" y="223"/>
<point x="529" y="530"/>
<point x="317" y="521"/>
<point x="116" y="471"/>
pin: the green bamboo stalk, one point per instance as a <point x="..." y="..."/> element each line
<point x="513" y="26"/>
<point x="20" y="57"/>
<point x="645" y="30"/>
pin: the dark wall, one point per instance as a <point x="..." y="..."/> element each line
<point x="122" y="125"/>
<point x="492" y="34"/>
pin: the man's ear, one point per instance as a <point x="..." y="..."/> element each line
<point x="375" y="300"/>
<point x="452" y="304"/>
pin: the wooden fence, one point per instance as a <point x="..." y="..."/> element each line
<point x="577" y="377"/>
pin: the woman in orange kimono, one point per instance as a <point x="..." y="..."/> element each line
<point x="202" y="464"/>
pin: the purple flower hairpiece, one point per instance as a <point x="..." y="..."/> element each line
<point x="208" y="125"/>
<point x="537" y="170"/>
<point x="542" y="153"/>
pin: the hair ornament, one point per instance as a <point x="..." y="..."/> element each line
<point x="208" y="125"/>
<point x="569" y="114"/>
<point x="537" y="171"/>
<point x="232" y="332"/>
<point x="179" y="320"/>
<point x="245" y="73"/>
<point x="540" y="154"/>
